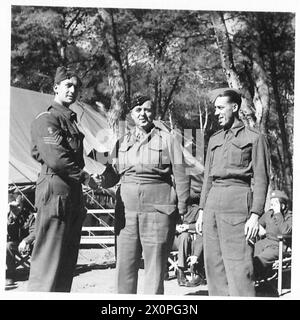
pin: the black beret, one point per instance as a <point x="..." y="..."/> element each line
<point x="221" y="91"/>
<point x="138" y="99"/>
<point x="63" y="73"/>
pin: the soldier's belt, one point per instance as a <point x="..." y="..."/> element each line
<point x="142" y="180"/>
<point x="231" y="182"/>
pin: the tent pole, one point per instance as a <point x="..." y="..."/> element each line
<point x="22" y="193"/>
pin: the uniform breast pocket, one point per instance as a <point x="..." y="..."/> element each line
<point x="240" y="153"/>
<point x="122" y="157"/>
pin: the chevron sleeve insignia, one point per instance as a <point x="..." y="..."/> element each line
<point x="53" y="138"/>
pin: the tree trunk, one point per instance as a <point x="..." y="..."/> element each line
<point x="226" y="54"/>
<point x="116" y="77"/>
<point x="286" y="157"/>
<point x="116" y="111"/>
<point x="283" y="134"/>
<point x="261" y="97"/>
<point x="170" y="95"/>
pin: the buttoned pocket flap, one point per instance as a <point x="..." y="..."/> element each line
<point x="216" y="145"/>
<point x="241" y="144"/>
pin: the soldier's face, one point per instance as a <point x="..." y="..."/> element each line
<point x="143" y="115"/>
<point x="225" y="111"/>
<point x="66" y="91"/>
<point x="277" y="205"/>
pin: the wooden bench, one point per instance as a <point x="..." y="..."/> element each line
<point x="102" y="235"/>
<point x="94" y="238"/>
<point x="97" y="240"/>
<point x="96" y="229"/>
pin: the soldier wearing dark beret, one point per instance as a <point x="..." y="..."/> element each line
<point x="145" y="159"/>
<point x="233" y="195"/>
<point x="277" y="221"/>
<point x="57" y="145"/>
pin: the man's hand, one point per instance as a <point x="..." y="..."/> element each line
<point x="251" y="227"/>
<point x="182" y="227"/>
<point x="94" y="183"/>
<point x="23" y="247"/>
<point x="199" y="222"/>
<point x="91" y="181"/>
<point x="261" y="231"/>
<point x="191" y="260"/>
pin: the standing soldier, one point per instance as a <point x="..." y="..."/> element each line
<point x="146" y="210"/>
<point x="57" y="145"/>
<point x="236" y="155"/>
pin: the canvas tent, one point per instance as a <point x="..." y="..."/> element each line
<point x="25" y="105"/>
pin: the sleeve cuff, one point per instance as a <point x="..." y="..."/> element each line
<point x="258" y="214"/>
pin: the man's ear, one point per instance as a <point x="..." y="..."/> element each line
<point x="235" y="107"/>
<point x="55" y="87"/>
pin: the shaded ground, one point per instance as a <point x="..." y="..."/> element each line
<point x="95" y="273"/>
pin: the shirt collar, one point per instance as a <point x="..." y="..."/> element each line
<point x="134" y="132"/>
<point x="236" y="128"/>
<point x="68" y="113"/>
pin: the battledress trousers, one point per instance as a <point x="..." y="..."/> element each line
<point x="147" y="207"/>
<point x="57" y="145"/>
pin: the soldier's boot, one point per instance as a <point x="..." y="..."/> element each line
<point x="181" y="279"/>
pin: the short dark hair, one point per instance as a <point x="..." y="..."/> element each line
<point x="234" y="96"/>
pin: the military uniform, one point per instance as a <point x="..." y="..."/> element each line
<point x="234" y="158"/>
<point x="185" y="242"/>
<point x="267" y="249"/>
<point x="146" y="206"/>
<point x="58" y="145"/>
<point x="18" y="229"/>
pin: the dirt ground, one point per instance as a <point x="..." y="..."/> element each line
<point x="95" y="273"/>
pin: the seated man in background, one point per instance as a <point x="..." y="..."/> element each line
<point x="276" y="221"/>
<point x="20" y="234"/>
<point x="190" y="247"/>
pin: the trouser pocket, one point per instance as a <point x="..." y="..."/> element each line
<point x="232" y="236"/>
<point x="57" y="207"/>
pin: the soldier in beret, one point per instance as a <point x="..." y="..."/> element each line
<point x="237" y="159"/>
<point x="145" y="159"/>
<point x="276" y="221"/>
<point x="57" y="146"/>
